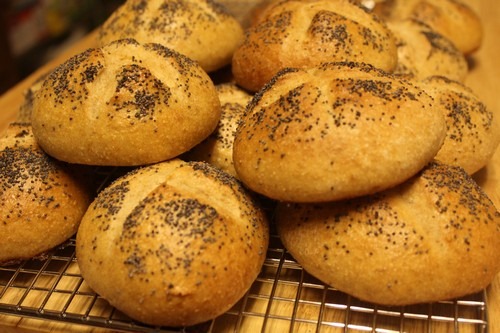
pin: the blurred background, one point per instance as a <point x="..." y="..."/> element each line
<point x="34" y="31"/>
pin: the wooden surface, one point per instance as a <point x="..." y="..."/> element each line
<point x="483" y="79"/>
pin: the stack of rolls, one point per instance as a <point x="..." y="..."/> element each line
<point x="365" y="146"/>
<point x="371" y="164"/>
<point x="185" y="238"/>
<point x="202" y="30"/>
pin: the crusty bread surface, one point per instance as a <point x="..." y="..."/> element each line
<point x="436" y="237"/>
<point x="473" y="131"/>
<point x="203" y="30"/>
<point x="41" y="199"/>
<point x="336" y="131"/>
<point x="124" y="104"/>
<point x="217" y="149"/>
<point x="422" y="52"/>
<point x="173" y="244"/>
<point x="304" y="34"/>
<point x="26" y="107"/>
<point x="453" y="19"/>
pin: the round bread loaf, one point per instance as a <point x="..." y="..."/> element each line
<point x="303" y="34"/>
<point x="41" y="200"/>
<point x="217" y="149"/>
<point x="26" y="108"/>
<point x="172" y="244"/>
<point x="433" y="238"/>
<point x="260" y="10"/>
<point x="473" y="131"/>
<point x="422" y="52"/>
<point x="124" y="104"/>
<point x="333" y="132"/>
<point x="201" y="29"/>
<point x="452" y="19"/>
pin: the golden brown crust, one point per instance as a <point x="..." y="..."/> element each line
<point x="473" y="131"/>
<point x="173" y="244"/>
<point x="124" y="104"/>
<point x="433" y="238"/>
<point x="333" y="132"/>
<point x="26" y="108"/>
<point x="260" y="11"/>
<point x="202" y="30"/>
<point x="452" y="19"/>
<point x="304" y="34"/>
<point x="217" y="149"/>
<point x="41" y="200"/>
<point x="422" y="52"/>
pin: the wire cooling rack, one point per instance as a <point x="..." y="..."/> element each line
<point x="283" y="298"/>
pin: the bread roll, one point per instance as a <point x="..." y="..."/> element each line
<point x="41" y="200"/>
<point x="172" y="244"/>
<point x="217" y="149"/>
<point x="124" y="104"/>
<point x="200" y="29"/>
<point x="422" y="52"/>
<point x="305" y="34"/>
<point x="473" y="131"/>
<point x="336" y="131"/>
<point x="452" y="19"/>
<point x="260" y="11"/>
<point x="433" y="238"/>
<point x="26" y="108"/>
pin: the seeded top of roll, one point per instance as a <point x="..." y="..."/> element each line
<point x="473" y="131"/>
<point x="202" y="30"/>
<point x="422" y="52"/>
<point x="184" y="239"/>
<point x="111" y="105"/>
<point x="335" y="131"/>
<point x="304" y="34"/>
<point x="434" y="237"/>
<point x="453" y="19"/>
<point x="38" y="196"/>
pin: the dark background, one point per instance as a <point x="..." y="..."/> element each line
<point x="34" y="31"/>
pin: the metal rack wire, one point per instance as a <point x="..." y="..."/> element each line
<point x="284" y="298"/>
